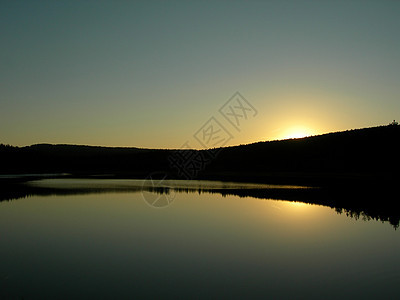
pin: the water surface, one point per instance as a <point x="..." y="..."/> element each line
<point x="113" y="244"/>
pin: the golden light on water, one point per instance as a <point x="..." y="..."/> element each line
<point x="299" y="204"/>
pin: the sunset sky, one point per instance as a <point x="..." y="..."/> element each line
<point x="152" y="73"/>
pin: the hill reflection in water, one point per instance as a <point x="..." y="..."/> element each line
<point x="355" y="203"/>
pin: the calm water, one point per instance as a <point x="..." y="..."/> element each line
<point x="110" y="243"/>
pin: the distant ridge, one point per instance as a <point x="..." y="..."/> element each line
<point x="71" y="146"/>
<point x="362" y="153"/>
<point x="394" y="124"/>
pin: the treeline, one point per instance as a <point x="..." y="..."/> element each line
<point x="368" y="152"/>
<point x="76" y="159"/>
<point x="354" y="154"/>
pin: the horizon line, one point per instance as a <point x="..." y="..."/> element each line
<point x="394" y="123"/>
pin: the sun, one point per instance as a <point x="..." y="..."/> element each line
<point x="297" y="132"/>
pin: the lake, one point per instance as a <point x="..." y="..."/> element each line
<point x="112" y="239"/>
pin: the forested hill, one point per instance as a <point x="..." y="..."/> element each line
<point x="361" y="152"/>
<point x="367" y="150"/>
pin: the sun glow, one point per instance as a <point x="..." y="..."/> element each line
<point x="297" y="132"/>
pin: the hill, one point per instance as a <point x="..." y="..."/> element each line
<point x="349" y="156"/>
<point x="360" y="154"/>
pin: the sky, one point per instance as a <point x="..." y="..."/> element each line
<point x="162" y="74"/>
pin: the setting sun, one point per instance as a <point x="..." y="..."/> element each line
<point x="297" y="132"/>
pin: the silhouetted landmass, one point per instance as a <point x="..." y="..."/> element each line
<point x="76" y="159"/>
<point x="354" y="155"/>
<point x="349" y="156"/>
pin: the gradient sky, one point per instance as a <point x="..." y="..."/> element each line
<point x="151" y="73"/>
